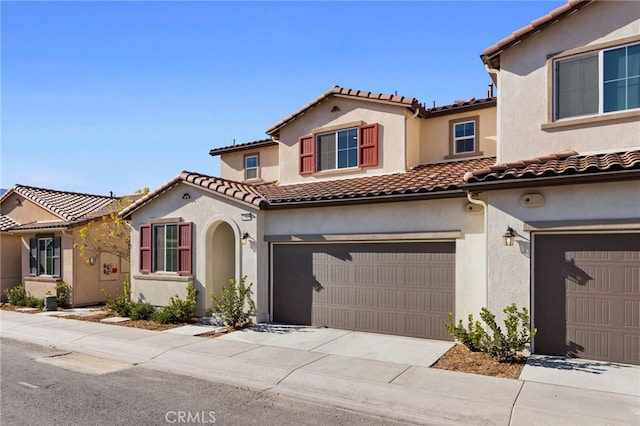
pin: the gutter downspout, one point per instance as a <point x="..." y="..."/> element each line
<point x="472" y="200"/>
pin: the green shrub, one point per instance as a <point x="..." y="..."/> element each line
<point x="234" y="304"/>
<point x="122" y="303"/>
<point x="142" y="311"/>
<point x="178" y="310"/>
<point x="16" y="295"/>
<point x="498" y="344"/>
<point x="62" y="291"/>
<point x="33" y="302"/>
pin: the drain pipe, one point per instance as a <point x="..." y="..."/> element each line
<point x="478" y="201"/>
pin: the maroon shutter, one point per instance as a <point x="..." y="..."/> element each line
<point x="185" y="242"/>
<point x="307" y="154"/>
<point x="368" y="144"/>
<point x="145" y="249"/>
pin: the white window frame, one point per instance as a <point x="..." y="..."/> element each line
<point x="247" y="169"/>
<point x="337" y="151"/>
<point x="600" y="55"/>
<point x="154" y="248"/>
<point x="474" y="137"/>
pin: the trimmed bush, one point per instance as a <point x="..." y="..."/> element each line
<point x="142" y="311"/>
<point x="122" y="303"/>
<point x="16" y="295"/>
<point x="62" y="291"/>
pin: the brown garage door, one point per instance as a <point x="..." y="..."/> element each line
<point x="393" y="288"/>
<point x="587" y="296"/>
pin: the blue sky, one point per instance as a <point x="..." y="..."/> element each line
<point x="116" y="96"/>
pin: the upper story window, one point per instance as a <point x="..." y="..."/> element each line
<point x="339" y="149"/>
<point x="463" y="137"/>
<point x="597" y="82"/>
<point x="251" y="167"/>
<point x="166" y="247"/>
<point x="44" y="256"/>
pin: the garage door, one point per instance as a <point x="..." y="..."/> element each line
<point x="587" y="296"/>
<point x="393" y="288"/>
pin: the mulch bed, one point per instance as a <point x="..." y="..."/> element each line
<point x="460" y="358"/>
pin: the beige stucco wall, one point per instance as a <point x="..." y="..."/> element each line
<point x="232" y="164"/>
<point x="524" y="81"/>
<point x="401" y="217"/>
<point x="391" y="137"/>
<point x="435" y="134"/>
<point x="26" y="211"/>
<point x="510" y="267"/>
<point x="207" y="211"/>
<point x="10" y="263"/>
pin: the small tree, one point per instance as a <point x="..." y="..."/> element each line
<point x="234" y="304"/>
<point x="108" y="233"/>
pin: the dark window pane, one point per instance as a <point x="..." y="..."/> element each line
<point x="326" y="151"/>
<point x="577" y="87"/>
<point x="615" y="66"/>
<point x="159" y="253"/>
<point x="251" y="162"/>
<point x="615" y="96"/>
<point x="633" y="93"/>
<point x="633" y="61"/>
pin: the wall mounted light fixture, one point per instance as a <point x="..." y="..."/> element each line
<point x="245" y="238"/>
<point x="509" y="237"/>
<point x="92" y="261"/>
<point x="186" y="196"/>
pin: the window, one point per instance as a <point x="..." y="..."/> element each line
<point x="44" y="256"/>
<point x="598" y="82"/>
<point x="464" y="137"/>
<point x="340" y="149"/>
<point x="251" y="164"/>
<point x="337" y="150"/>
<point x="166" y="247"/>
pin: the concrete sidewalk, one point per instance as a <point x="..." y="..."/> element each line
<point x="376" y="374"/>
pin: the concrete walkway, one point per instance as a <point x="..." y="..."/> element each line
<point x="376" y="374"/>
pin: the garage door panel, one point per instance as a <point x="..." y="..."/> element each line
<point x="585" y="300"/>
<point x="394" y="288"/>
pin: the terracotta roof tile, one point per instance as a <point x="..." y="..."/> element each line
<point x="472" y="103"/>
<point x="493" y="52"/>
<point x="69" y="206"/>
<point x="411" y="103"/>
<point x="242" y="147"/>
<point x="559" y="165"/>
<point x="430" y="178"/>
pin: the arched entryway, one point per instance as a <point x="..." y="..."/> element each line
<point x="221" y="257"/>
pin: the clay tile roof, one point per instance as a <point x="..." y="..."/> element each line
<point x="411" y="103"/>
<point x="556" y="166"/>
<point x="228" y="188"/>
<point x="242" y="147"/>
<point x="460" y="105"/>
<point x="69" y="206"/>
<point x="430" y="178"/>
<point x="6" y="222"/>
<point x="491" y="54"/>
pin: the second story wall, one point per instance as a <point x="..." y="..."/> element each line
<point x="22" y="210"/>
<point x="528" y="94"/>
<point x="233" y="166"/>
<point x="338" y="113"/>
<point x="438" y="141"/>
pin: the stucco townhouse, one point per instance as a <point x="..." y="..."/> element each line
<point x="372" y="212"/>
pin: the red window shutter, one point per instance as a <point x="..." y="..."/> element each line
<point x="145" y="249"/>
<point x="307" y="154"/>
<point x="368" y="144"/>
<point x="185" y="243"/>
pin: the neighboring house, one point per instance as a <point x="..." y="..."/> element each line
<point x="371" y="212"/>
<point x="38" y="230"/>
<point x="354" y="187"/>
<point x="568" y="179"/>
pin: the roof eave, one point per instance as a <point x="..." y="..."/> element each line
<point x="433" y="194"/>
<point x="618" y="175"/>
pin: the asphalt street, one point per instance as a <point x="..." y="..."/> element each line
<point x="44" y="386"/>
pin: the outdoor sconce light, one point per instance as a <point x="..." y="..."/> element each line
<point x="509" y="237"/>
<point x="244" y="238"/>
<point x="246" y="217"/>
<point x="92" y="261"/>
<point x="186" y="196"/>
